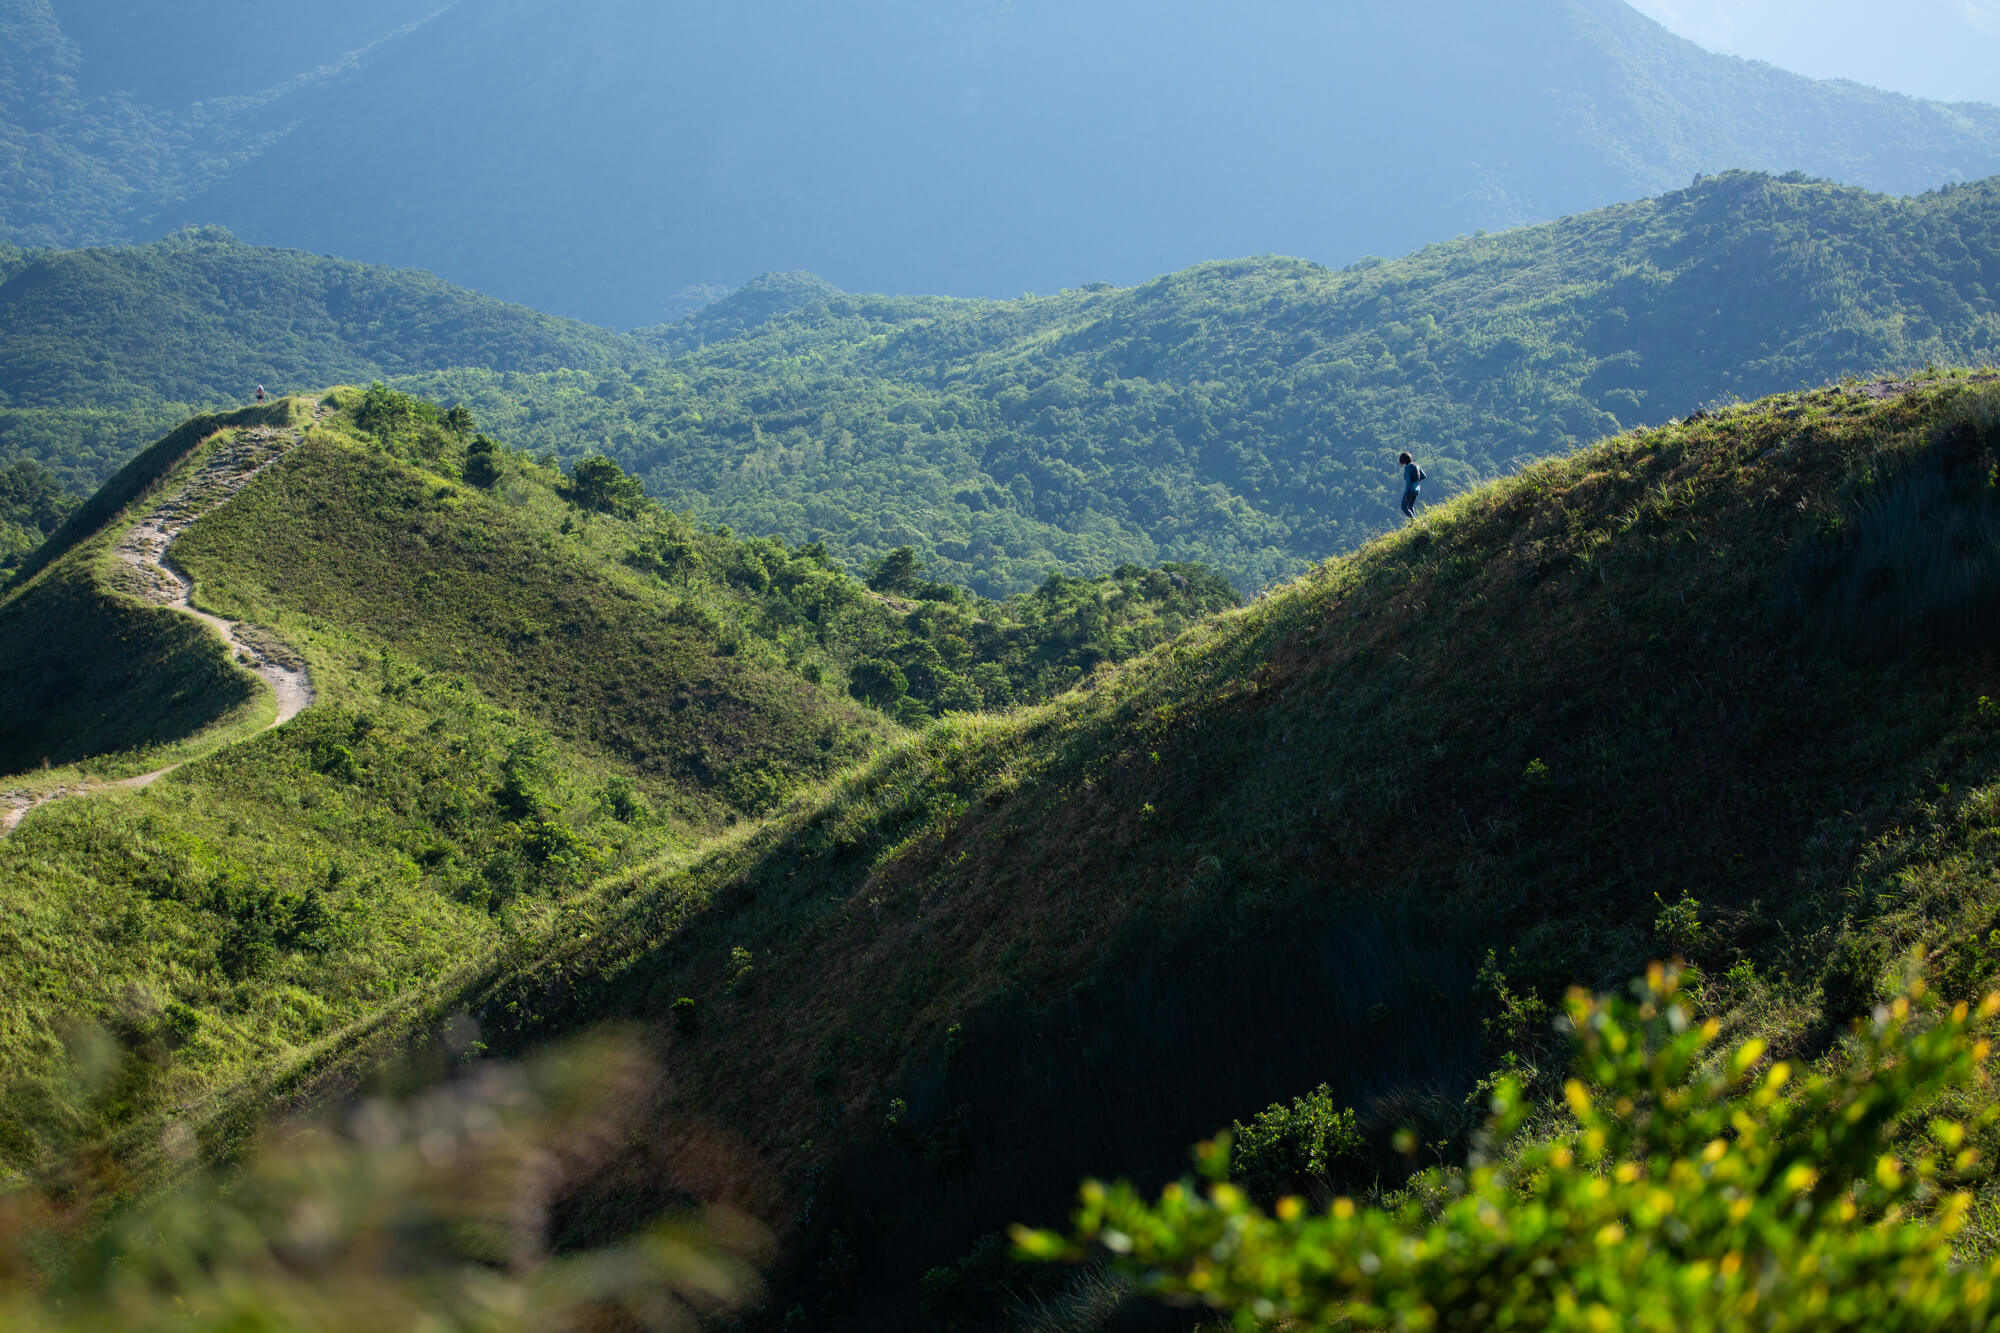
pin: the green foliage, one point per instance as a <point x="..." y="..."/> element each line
<point x="878" y="682"/>
<point x="32" y="506"/>
<point x="1296" y="1149"/>
<point x="598" y="484"/>
<point x="1678" y="926"/>
<point x="482" y="466"/>
<point x="1341" y="832"/>
<point x="65" y="697"/>
<point x="358" y="531"/>
<point x="203" y="318"/>
<point x="1914" y="550"/>
<point x="1692" y="1189"/>
<point x="896" y="571"/>
<point x="1340" y="824"/>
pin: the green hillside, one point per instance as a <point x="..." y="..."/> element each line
<point x="1248" y="414"/>
<point x="522" y="683"/>
<point x="1724" y="689"/>
<point x="454" y="776"/>
<point x="102" y="349"/>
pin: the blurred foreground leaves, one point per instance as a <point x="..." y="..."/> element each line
<point x="427" y="1213"/>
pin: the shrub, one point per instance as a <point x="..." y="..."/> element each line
<point x="1297" y="1148"/>
<point x="482" y="468"/>
<point x="1678" y="925"/>
<point x="598" y="484"/>
<point x="877" y="682"/>
<point x="1689" y="1191"/>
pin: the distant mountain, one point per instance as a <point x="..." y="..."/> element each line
<point x="1247" y="414"/>
<point x="102" y="348"/>
<point x="599" y="156"/>
<point x="751" y="306"/>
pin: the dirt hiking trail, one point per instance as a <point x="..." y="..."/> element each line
<point x="234" y="464"/>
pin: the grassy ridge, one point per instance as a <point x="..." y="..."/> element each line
<point x="1700" y="690"/>
<point x="436" y="573"/>
<point x="93" y="672"/>
<point x="90" y="673"/>
<point x="449" y="788"/>
<point x="525" y="688"/>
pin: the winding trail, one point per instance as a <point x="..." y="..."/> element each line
<point x="233" y="465"/>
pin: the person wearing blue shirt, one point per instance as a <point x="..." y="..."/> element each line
<point x="1413" y="481"/>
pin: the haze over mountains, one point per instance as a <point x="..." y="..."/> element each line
<point x="567" y="157"/>
<point x="1948" y="50"/>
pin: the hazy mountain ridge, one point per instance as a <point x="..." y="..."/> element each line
<point x="1345" y="132"/>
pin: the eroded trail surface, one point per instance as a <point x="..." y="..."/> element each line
<point x="226" y="471"/>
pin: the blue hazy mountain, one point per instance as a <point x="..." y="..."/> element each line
<point x="597" y="157"/>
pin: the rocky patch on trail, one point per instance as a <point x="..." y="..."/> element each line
<point x="235" y="464"/>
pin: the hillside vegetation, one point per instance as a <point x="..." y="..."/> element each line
<point x="1248" y="414"/>
<point x="1242" y="415"/>
<point x="1723" y="689"/>
<point x="450" y="781"/>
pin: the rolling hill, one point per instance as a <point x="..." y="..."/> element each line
<point x="501" y="709"/>
<point x="487" y="686"/>
<point x="1243" y="415"/>
<point x="1723" y="689"/>
<point x="636" y="150"/>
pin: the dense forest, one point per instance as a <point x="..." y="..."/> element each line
<point x="1247" y="414"/>
<point x="588" y="189"/>
<point x="1243" y="415"/>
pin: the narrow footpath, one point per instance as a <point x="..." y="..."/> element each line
<point x="228" y="470"/>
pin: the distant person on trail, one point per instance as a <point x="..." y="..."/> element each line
<point x="1413" y="481"/>
<point x="260" y="393"/>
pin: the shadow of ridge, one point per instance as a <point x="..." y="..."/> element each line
<point x="1122" y="1075"/>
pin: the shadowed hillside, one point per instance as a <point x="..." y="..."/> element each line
<point x="1721" y="689"/>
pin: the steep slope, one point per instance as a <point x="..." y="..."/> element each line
<point x="1724" y="688"/>
<point x="1291" y="127"/>
<point x="131" y="337"/>
<point x="1248" y="414"/>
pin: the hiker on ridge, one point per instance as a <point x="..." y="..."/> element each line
<point x="1413" y="481"/>
<point x="260" y="393"/>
